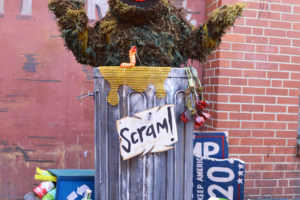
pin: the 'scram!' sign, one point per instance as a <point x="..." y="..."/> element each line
<point x="152" y="130"/>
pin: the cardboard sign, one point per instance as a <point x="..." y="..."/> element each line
<point x="152" y="130"/>
<point x="218" y="178"/>
<point x="211" y="144"/>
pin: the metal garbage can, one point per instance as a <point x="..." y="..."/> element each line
<point x="155" y="176"/>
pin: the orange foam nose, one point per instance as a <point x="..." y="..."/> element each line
<point x="134" y="49"/>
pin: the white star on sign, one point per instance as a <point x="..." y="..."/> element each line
<point x="241" y="166"/>
<point x="241" y="173"/>
<point x="240" y="181"/>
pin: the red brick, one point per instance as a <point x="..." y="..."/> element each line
<point x="261" y="167"/>
<point x="274" y="158"/>
<point x="286" y="134"/>
<point x="295" y="76"/>
<point x="292" y="190"/>
<point x="293" y="34"/>
<point x="295" y="59"/>
<point x="252" y="191"/>
<point x="262" y="133"/>
<point x="230" y="55"/>
<point x="239" y="150"/>
<point x="233" y="38"/>
<point x="256" y="39"/>
<point x="292" y="174"/>
<point x="293" y="109"/>
<point x="228" y="89"/>
<point x="285" y="150"/>
<point x="278" y="58"/>
<point x="290" y="17"/>
<point x="284" y="167"/>
<point x="234" y="141"/>
<point x="275" y="125"/>
<point x="241" y="99"/>
<point x="238" y="81"/>
<point x="265" y="183"/>
<point x="296" y="26"/>
<point x="256" y="5"/>
<point x="279" y="75"/>
<point x="279" y="41"/>
<point x="225" y="46"/>
<point x="226" y="124"/>
<point x="264" y="99"/>
<point x="273" y="175"/>
<point x="253" y="125"/>
<point x="267" y="66"/>
<point x="240" y="133"/>
<point x="240" y="116"/>
<point x="259" y="82"/>
<point x="218" y="115"/>
<point x="250" y="13"/>
<point x="243" y="47"/>
<point x="255" y="56"/>
<point x="257" y="22"/>
<point x="286" y="117"/>
<point x="294" y="182"/>
<point x="272" y="190"/>
<point x="280" y="7"/>
<point x="296" y="43"/>
<point x="255" y="73"/>
<point x="242" y="64"/>
<point x="275" y="108"/>
<point x="250" y="90"/>
<point x="276" y="83"/>
<point x="251" y="159"/>
<point x="262" y="150"/>
<point x="252" y="107"/>
<point x="257" y="31"/>
<point x="249" y="183"/>
<point x="292" y="126"/>
<point x="290" y="50"/>
<point x="291" y="84"/>
<point x="253" y="175"/>
<point x="280" y="24"/>
<point x="269" y="15"/>
<point x="292" y="142"/>
<point x="275" y="91"/>
<point x="283" y="183"/>
<point x="228" y="72"/>
<point x="264" y="117"/>
<point x="297" y="9"/>
<point x="275" y="33"/>
<point x="251" y="141"/>
<point x="266" y="49"/>
<point x="219" y="81"/>
<point x="242" y="29"/>
<point x="294" y="92"/>
<point x="287" y="100"/>
<point x="290" y="67"/>
<point x="220" y="63"/>
<point x="219" y="98"/>
<point x="274" y="142"/>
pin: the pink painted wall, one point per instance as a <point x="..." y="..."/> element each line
<point x="41" y="123"/>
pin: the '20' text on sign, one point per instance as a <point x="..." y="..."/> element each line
<point x="152" y="130"/>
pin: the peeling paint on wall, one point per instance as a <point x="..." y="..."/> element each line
<point x="30" y="65"/>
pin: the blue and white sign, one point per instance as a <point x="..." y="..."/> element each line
<point x="211" y="144"/>
<point x="221" y="178"/>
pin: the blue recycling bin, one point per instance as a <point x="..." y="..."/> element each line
<point x="72" y="183"/>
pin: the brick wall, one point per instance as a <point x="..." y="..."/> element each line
<point x="252" y="82"/>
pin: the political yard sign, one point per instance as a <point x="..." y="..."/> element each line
<point x="152" y="130"/>
<point x="211" y="144"/>
<point x="222" y="178"/>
